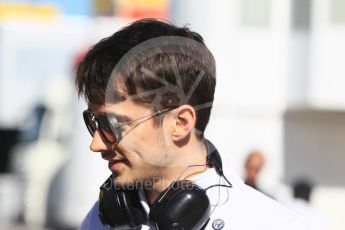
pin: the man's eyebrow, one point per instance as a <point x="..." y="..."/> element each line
<point x="121" y="117"/>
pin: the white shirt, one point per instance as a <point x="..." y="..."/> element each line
<point x="240" y="207"/>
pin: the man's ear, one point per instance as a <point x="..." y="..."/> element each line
<point x="184" y="122"/>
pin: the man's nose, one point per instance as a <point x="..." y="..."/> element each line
<point x="98" y="143"/>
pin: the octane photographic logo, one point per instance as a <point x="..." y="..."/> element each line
<point x="155" y="72"/>
<point x="146" y="185"/>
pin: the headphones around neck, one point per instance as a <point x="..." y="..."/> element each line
<point x="183" y="205"/>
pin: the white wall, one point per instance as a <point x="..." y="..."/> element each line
<point x="251" y="75"/>
<point x="328" y="52"/>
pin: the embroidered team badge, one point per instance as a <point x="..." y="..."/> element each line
<point x="218" y="224"/>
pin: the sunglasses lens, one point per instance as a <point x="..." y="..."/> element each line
<point x="100" y="122"/>
<point x="105" y="129"/>
<point x="91" y="126"/>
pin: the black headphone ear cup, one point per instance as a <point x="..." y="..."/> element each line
<point x="183" y="205"/>
<point x="131" y="204"/>
<point x="108" y="202"/>
<point x="120" y="208"/>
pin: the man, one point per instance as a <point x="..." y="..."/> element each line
<point x="253" y="166"/>
<point x="302" y="191"/>
<point x="149" y="89"/>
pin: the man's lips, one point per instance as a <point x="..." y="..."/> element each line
<point x="116" y="160"/>
<point x="116" y="165"/>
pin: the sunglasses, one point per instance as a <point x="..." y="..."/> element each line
<point x="108" y="125"/>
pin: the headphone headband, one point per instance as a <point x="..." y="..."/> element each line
<point x="213" y="157"/>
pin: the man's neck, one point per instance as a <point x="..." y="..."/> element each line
<point x="189" y="163"/>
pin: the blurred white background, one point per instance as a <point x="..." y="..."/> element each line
<point x="280" y="89"/>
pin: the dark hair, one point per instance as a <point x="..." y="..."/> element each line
<point x="302" y="189"/>
<point x="96" y="69"/>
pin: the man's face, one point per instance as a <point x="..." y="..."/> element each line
<point x="142" y="154"/>
<point x="253" y="167"/>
